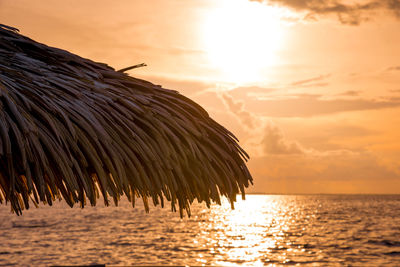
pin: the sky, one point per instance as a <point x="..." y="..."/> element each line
<point x="310" y="88"/>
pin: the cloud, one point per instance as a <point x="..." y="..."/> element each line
<point x="185" y="87"/>
<point x="237" y="107"/>
<point x="274" y="142"/>
<point x="395" y="6"/>
<point x="393" y="68"/>
<point x="341" y="171"/>
<point x="287" y="166"/>
<point x="350" y="93"/>
<point x="347" y="13"/>
<point x="342" y="131"/>
<point x="281" y="164"/>
<point x="308" y="105"/>
<point x="250" y="91"/>
<point x="310" y="82"/>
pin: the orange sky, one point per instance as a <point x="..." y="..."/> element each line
<point x="311" y="88"/>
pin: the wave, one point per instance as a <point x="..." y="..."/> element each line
<point x="385" y="242"/>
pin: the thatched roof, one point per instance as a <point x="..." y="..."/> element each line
<point x="71" y="127"/>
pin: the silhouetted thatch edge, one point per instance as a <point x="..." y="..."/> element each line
<point x="75" y="129"/>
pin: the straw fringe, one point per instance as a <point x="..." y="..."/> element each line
<point x="70" y="127"/>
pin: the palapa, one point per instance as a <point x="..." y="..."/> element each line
<point x="71" y="127"/>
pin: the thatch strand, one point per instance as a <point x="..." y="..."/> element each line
<point x="71" y="128"/>
<point x="132" y="67"/>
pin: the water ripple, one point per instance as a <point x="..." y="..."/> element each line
<point x="263" y="230"/>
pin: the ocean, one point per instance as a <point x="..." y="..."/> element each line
<point x="312" y="230"/>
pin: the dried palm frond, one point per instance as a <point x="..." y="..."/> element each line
<point x="71" y="127"/>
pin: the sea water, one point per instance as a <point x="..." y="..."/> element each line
<point x="316" y="230"/>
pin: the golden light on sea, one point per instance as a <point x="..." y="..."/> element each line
<point x="254" y="229"/>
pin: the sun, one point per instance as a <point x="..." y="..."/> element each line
<point x="241" y="38"/>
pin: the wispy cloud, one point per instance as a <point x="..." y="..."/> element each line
<point x="393" y="68"/>
<point x="185" y="87"/>
<point x="308" y="105"/>
<point x="311" y="81"/>
<point x="347" y="12"/>
<point x="350" y="93"/>
<point x="395" y="6"/>
<point x="250" y="91"/>
<point x="341" y="171"/>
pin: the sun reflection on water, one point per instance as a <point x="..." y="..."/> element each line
<point x="263" y="230"/>
<point x="255" y="229"/>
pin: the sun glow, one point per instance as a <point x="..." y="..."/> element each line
<point x="241" y="38"/>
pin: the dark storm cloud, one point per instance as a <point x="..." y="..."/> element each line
<point x="347" y="13"/>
